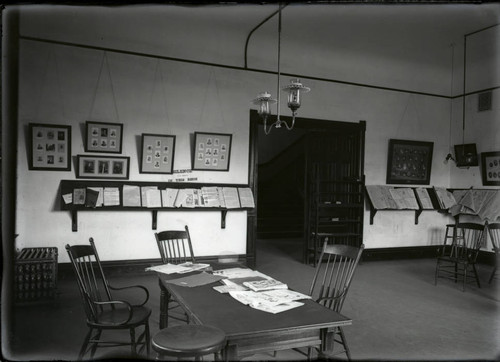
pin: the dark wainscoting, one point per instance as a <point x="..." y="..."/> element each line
<point x="414" y="252"/>
<point x="113" y="268"/>
<point x="118" y="267"/>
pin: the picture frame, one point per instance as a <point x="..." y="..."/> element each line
<point x="103" y="137"/>
<point x="490" y="168"/>
<point x="158" y="152"/>
<point x="103" y="167"/>
<point x="49" y="147"/>
<point x="212" y="151"/>
<point x="409" y="162"/>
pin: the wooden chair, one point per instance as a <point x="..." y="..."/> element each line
<point x="175" y="247"/>
<point x="189" y="340"/>
<point x="102" y="310"/>
<point x="459" y="259"/>
<point x="494" y="234"/>
<point x="331" y="282"/>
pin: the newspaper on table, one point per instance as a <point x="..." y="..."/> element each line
<point x="273" y="301"/>
<point x="177" y="268"/>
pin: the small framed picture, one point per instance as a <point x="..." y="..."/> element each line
<point x="409" y="162"/>
<point x="113" y="167"/>
<point x="211" y="151"/>
<point x="50" y="147"/>
<point x="490" y="168"/>
<point x="158" y="152"/>
<point x="103" y="137"/>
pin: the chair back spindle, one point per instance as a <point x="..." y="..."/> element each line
<point x="175" y="246"/>
<point x="92" y="283"/>
<point x="334" y="273"/>
<point x="470" y="238"/>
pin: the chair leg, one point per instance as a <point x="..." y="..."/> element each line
<point x="148" y="339"/>
<point x="344" y="342"/>
<point x="96" y="338"/>
<point x="492" y="275"/>
<point x="84" y="345"/>
<point x="132" y="342"/>
<point x="476" y="275"/>
<point x="436" y="274"/>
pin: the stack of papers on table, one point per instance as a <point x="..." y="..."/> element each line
<point x="177" y="268"/>
<point x="273" y="301"/>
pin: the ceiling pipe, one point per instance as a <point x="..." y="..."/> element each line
<point x="254" y="29"/>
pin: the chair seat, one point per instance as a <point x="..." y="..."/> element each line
<point x="119" y="315"/>
<point x="189" y="340"/>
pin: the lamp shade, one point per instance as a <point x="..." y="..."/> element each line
<point x="294" y="89"/>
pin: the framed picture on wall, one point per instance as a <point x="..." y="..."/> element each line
<point x="157" y="153"/>
<point x="50" y="147"/>
<point x="211" y="151"/>
<point x="490" y="168"/>
<point x="409" y="162"/>
<point x="113" y="167"/>
<point x="103" y="137"/>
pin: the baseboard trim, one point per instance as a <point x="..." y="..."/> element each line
<point x="113" y="268"/>
<point x="415" y="252"/>
<point x="137" y="266"/>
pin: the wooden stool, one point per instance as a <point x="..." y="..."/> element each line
<point x="189" y="340"/>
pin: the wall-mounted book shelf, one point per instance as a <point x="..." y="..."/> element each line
<point x="76" y="196"/>
<point x="417" y="199"/>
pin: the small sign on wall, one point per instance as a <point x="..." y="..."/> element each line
<point x="211" y="151"/>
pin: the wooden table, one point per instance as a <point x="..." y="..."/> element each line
<point x="250" y="331"/>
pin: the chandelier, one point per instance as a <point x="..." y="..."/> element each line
<point x="293" y="89"/>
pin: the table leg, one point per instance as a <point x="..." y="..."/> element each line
<point x="164" y="298"/>
<point x="230" y="353"/>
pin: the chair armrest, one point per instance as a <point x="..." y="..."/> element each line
<point x="146" y="291"/>
<point x="113" y="303"/>
<point x="323" y="299"/>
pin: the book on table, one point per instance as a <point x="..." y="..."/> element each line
<point x="266" y="284"/>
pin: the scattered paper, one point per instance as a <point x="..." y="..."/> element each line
<point x="153" y="198"/>
<point x="246" y="197"/>
<point x="111" y="196"/>
<point x="131" y="196"/>
<point x="68" y="198"/>
<point x="168" y="197"/>
<point x="424" y="198"/>
<point x="268" y="301"/>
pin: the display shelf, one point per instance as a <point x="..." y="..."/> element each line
<point x="68" y="187"/>
<point x="416" y="204"/>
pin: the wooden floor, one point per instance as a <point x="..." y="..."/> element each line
<point x="398" y="313"/>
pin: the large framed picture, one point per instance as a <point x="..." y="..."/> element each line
<point x="490" y="167"/>
<point x="115" y="167"/>
<point x="50" y="147"/>
<point x="409" y="162"/>
<point x="157" y="153"/>
<point x="212" y="151"/>
<point x="103" y="137"/>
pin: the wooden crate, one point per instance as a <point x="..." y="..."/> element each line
<point x="36" y="274"/>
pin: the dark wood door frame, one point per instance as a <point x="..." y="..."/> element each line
<point x="253" y="161"/>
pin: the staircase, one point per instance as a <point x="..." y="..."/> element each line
<point x="280" y="212"/>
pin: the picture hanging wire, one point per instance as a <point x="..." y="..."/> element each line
<point x="103" y="62"/>
<point x="51" y="54"/>
<point x="158" y="70"/>
<point x="213" y="77"/>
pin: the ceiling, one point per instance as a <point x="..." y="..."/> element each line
<point x="337" y="34"/>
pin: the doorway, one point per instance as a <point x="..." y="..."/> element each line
<point x="282" y="166"/>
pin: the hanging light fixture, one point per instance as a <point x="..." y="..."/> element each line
<point x="294" y="90"/>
